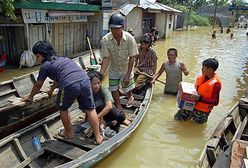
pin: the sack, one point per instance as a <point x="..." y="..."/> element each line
<point x="27" y="59"/>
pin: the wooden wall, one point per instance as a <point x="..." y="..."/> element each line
<point x="13" y="43"/>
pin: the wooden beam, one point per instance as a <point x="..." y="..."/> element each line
<point x="19" y="149"/>
<point x="30" y="159"/>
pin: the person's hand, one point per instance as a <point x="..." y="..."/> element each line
<point x="200" y="98"/>
<point x="100" y="119"/>
<point x="126" y="80"/>
<point x="50" y="93"/>
<point x="100" y="75"/>
<point x="27" y="99"/>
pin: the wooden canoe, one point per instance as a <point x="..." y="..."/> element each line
<point x="231" y="130"/>
<point x="17" y="150"/>
<point x="15" y="114"/>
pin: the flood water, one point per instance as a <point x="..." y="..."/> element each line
<point x="160" y="141"/>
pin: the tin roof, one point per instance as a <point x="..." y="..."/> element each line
<point x="37" y="4"/>
<point x="146" y="4"/>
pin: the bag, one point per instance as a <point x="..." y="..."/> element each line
<point x="27" y="59"/>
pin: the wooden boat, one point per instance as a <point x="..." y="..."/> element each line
<point x="17" y="150"/>
<point x="15" y="114"/>
<point x="233" y="129"/>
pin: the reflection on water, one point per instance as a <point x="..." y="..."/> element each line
<point x="162" y="142"/>
<point x="11" y="72"/>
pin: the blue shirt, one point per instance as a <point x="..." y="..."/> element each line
<point x="62" y="70"/>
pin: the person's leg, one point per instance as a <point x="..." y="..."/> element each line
<point x="200" y="117"/>
<point x="86" y="103"/>
<point x="128" y="89"/>
<point x="94" y="123"/>
<point x="65" y="99"/>
<point x="182" y="115"/>
<point x="116" y="97"/>
<point x="114" y="82"/>
<point x="65" y="118"/>
<point x="130" y="98"/>
<point x="140" y="81"/>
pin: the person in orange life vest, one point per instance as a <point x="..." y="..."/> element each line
<point x="208" y="86"/>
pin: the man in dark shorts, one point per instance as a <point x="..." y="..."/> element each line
<point x="73" y="83"/>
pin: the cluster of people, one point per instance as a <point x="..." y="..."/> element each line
<point x="120" y="54"/>
<point x="228" y="30"/>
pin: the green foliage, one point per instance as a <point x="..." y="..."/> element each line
<point x="239" y="2"/>
<point x="7" y="7"/>
<point x="195" y="20"/>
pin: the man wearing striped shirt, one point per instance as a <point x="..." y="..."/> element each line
<point x="118" y="50"/>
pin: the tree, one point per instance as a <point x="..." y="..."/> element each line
<point x="7" y="7"/>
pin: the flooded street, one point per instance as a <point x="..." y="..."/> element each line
<point x="160" y="141"/>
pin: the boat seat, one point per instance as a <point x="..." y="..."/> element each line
<point x="63" y="149"/>
<point x="135" y="103"/>
<point x="79" y="139"/>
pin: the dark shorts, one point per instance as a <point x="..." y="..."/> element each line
<point x="195" y="115"/>
<point x="81" y="91"/>
<point x="170" y="93"/>
<point x="115" y="114"/>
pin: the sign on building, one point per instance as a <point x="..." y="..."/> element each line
<point x="42" y="16"/>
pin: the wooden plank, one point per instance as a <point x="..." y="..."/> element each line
<point x="47" y="132"/>
<point x="7" y="92"/>
<point x="223" y="160"/>
<point x="30" y="159"/>
<point x="79" y="139"/>
<point x="240" y="129"/>
<point x="138" y="97"/>
<point x="135" y="103"/>
<point x="19" y="149"/>
<point x="213" y="143"/>
<point x="63" y="149"/>
<point x="222" y="127"/>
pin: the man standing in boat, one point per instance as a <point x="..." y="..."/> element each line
<point x="118" y="49"/>
<point x="208" y="86"/>
<point x="73" y="84"/>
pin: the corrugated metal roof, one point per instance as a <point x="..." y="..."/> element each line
<point x="146" y="4"/>
<point x="126" y="8"/>
<point x="169" y="8"/>
<point x="34" y="4"/>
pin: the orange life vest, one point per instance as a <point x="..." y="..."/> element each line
<point x="205" y="89"/>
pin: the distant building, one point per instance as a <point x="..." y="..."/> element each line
<point x="65" y="23"/>
<point x="142" y="15"/>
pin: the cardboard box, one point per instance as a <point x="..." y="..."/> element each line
<point x="187" y="96"/>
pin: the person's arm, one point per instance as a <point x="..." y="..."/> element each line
<point x="214" y="100"/>
<point x="36" y="88"/>
<point x="184" y="69"/>
<point x="106" y="109"/>
<point x="53" y="87"/>
<point x="154" y="68"/>
<point x="136" y="61"/>
<point x="104" y="66"/>
<point x="158" y="74"/>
